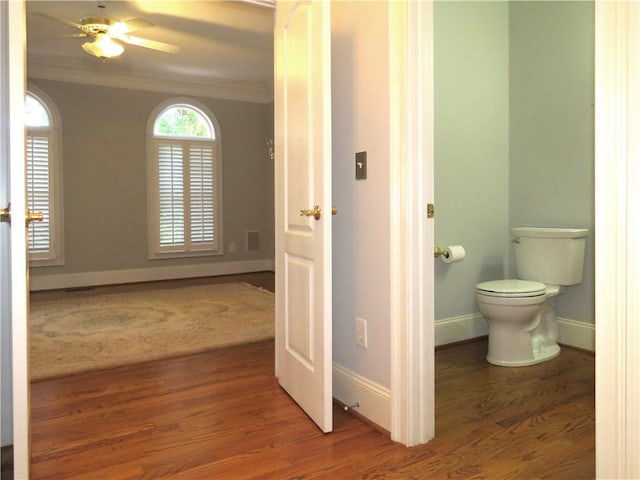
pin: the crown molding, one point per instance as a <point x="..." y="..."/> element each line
<point x="262" y="3"/>
<point x="51" y="67"/>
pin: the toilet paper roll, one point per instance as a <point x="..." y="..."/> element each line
<point x="453" y="254"/>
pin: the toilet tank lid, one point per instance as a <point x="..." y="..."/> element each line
<point x="549" y="232"/>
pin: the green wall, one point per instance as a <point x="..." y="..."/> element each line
<point x="552" y="127"/>
<point x="471" y="147"/>
<point x="514" y="145"/>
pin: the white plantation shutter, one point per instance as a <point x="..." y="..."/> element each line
<point x="171" y="195"/>
<point x="38" y="192"/>
<point x="201" y="199"/>
<point x="186" y="202"/>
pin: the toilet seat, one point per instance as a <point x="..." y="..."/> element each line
<point x="511" y="288"/>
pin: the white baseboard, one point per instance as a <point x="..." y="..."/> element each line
<point x="466" y="327"/>
<point x="577" y="334"/>
<point x="457" y="329"/>
<point x="374" y="400"/>
<point x="114" y="277"/>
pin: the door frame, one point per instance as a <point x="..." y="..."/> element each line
<point x="412" y="236"/>
<point x="617" y="174"/>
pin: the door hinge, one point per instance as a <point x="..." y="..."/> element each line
<point x="431" y="211"/>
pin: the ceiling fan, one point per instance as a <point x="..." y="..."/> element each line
<point x="109" y="35"/>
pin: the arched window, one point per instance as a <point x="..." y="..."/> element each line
<point x="44" y="179"/>
<point x="185" y="182"/>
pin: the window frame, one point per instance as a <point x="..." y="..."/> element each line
<point x="53" y="132"/>
<point x="155" y="250"/>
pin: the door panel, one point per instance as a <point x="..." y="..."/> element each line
<point x="303" y="181"/>
<point x="299" y="334"/>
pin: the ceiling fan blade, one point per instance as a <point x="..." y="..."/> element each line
<point x="63" y="20"/>
<point x="134" y="24"/>
<point x="68" y="35"/>
<point x="146" y="43"/>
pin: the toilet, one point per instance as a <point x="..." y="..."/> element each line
<point x="523" y="325"/>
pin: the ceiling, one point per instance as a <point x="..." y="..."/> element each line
<point x="226" y="47"/>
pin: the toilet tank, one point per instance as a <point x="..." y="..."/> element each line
<point x="550" y="255"/>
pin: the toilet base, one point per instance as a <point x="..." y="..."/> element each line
<point x="545" y="354"/>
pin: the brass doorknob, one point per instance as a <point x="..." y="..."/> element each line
<point x="33" y="217"/>
<point x="316" y="212"/>
<point x="5" y="215"/>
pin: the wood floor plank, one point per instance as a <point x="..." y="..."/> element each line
<point x="221" y="414"/>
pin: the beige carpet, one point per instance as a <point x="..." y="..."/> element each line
<point x="89" y="331"/>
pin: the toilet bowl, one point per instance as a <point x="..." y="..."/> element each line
<point x="520" y="313"/>
<point x="520" y="316"/>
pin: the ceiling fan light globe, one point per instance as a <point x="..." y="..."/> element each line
<point x="91" y="49"/>
<point x="103" y="47"/>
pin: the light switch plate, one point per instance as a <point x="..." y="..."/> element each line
<point x="361" y="165"/>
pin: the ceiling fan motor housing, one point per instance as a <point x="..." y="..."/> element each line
<point x="92" y="25"/>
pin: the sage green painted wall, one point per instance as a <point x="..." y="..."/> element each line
<point x="471" y="147"/>
<point x="552" y="128"/>
<point x="514" y="145"/>
<point x="104" y="176"/>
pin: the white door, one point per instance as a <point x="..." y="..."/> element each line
<point x="13" y="251"/>
<point x="303" y="187"/>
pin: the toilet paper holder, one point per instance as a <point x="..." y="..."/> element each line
<point x="437" y="252"/>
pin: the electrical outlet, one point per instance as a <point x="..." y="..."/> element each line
<point x="232" y="247"/>
<point x="361" y="332"/>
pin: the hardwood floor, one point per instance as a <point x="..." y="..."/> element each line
<point x="222" y="415"/>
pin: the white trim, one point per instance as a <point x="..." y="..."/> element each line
<point x="402" y="350"/>
<point x="458" y="329"/>
<point x="261" y="3"/>
<point x="51" y="67"/>
<point x="411" y="238"/>
<point x="6" y="408"/>
<point x="134" y="275"/>
<point x="617" y="174"/>
<point x="374" y="400"/>
<point x="574" y="333"/>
